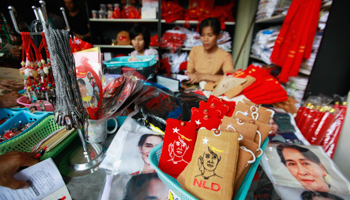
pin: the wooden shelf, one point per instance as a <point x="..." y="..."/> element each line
<point x="273" y="19"/>
<point x="256" y="58"/>
<point x="304" y="71"/>
<point x="122" y="20"/>
<point x="192" y="22"/>
<point x="328" y="4"/>
<point x="114" y="46"/>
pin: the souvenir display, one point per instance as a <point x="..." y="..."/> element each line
<point x="299" y="170"/>
<point x="129" y="151"/>
<point x="36" y="72"/>
<point x="211" y="172"/>
<point x="197" y="133"/>
<point x="178" y="145"/>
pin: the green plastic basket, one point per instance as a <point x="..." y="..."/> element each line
<point x="183" y="194"/>
<point x="28" y="140"/>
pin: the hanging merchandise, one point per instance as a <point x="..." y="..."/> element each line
<point x="211" y="172"/>
<point x="36" y="72"/>
<point x="294" y="42"/>
<point x="178" y="145"/>
<point x="69" y="109"/>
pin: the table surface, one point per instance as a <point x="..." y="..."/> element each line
<point x="88" y="186"/>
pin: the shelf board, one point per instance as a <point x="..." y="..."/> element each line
<point x="256" y="58"/>
<point x="304" y="71"/>
<point x="328" y="4"/>
<point x="114" y="46"/>
<point x="273" y="19"/>
<point x="192" y="22"/>
<point x="122" y="20"/>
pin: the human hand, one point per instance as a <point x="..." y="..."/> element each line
<point x="194" y="78"/>
<point x="10" y="85"/>
<point x="16" y="52"/>
<point x="9" y="100"/>
<point x="10" y="163"/>
<point x="78" y="35"/>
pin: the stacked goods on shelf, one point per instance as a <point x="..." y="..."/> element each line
<point x="268" y="8"/>
<point x="264" y="42"/>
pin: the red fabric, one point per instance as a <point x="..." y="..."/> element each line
<point x="171" y="11"/>
<point x="178" y="146"/>
<point x="295" y="39"/>
<point x="231" y="104"/>
<point x="164" y="64"/>
<point x="154" y="40"/>
<point x="183" y="66"/>
<point x="77" y="44"/>
<point x="130" y="12"/>
<point x="208" y="120"/>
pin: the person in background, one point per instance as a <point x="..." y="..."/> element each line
<point x="9" y="164"/>
<point x="208" y="62"/>
<point x="10" y="41"/>
<point x="9" y="100"/>
<point x="140" y="39"/>
<point x="78" y="20"/>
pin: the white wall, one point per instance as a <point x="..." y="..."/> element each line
<point x="342" y="153"/>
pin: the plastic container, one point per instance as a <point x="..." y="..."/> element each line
<point x="176" y="188"/>
<point x="6" y="113"/>
<point x="23" y="117"/>
<point x="26" y="141"/>
<point x="23" y="101"/>
<point x="123" y="61"/>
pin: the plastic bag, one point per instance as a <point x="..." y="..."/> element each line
<point x="187" y="101"/>
<point x="155" y="107"/>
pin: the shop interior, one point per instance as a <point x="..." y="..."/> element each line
<point x="169" y="99"/>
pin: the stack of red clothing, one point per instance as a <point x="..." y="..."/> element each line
<point x="265" y="90"/>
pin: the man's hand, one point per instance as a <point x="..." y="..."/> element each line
<point x="16" y="52"/>
<point x="9" y="100"/>
<point x="10" y="163"/>
<point x="10" y="85"/>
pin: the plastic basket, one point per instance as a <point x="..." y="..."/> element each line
<point x="123" y="61"/>
<point x="176" y="188"/>
<point x="23" y="101"/>
<point x="6" y="113"/>
<point x="22" y="117"/>
<point x="25" y="142"/>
